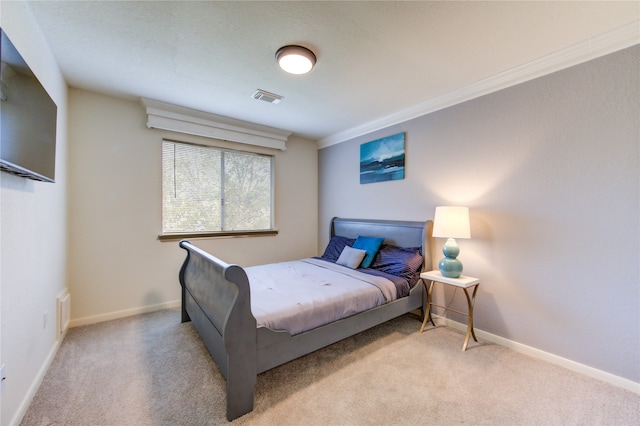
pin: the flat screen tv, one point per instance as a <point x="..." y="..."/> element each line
<point x="27" y="119"/>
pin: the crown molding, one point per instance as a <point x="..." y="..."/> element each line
<point x="593" y="48"/>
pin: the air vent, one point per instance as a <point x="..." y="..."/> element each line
<point x="63" y="312"/>
<point x="272" y="98"/>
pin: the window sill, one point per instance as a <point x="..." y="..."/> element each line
<point x="223" y="234"/>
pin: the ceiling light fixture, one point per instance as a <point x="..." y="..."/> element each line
<point x="295" y="59"/>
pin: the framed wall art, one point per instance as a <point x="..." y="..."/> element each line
<point x="382" y="159"/>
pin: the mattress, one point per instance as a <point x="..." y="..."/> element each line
<point x="301" y="295"/>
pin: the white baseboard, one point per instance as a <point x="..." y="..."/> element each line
<point x="35" y="385"/>
<point x="94" y="319"/>
<point x="545" y="356"/>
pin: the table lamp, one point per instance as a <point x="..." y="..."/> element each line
<point x="451" y="222"/>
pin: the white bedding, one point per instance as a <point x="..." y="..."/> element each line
<point x="301" y="295"/>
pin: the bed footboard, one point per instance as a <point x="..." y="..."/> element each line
<point x="216" y="297"/>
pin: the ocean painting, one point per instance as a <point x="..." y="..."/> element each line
<point x="382" y="159"/>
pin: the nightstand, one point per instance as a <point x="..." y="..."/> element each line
<point x="463" y="282"/>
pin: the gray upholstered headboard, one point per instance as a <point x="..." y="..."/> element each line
<point x="397" y="232"/>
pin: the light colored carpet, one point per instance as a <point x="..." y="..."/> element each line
<point x="153" y="370"/>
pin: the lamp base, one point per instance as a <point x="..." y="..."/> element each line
<point x="450" y="268"/>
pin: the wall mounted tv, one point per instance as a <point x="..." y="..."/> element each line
<point x="27" y="119"/>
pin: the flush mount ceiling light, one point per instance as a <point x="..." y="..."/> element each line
<point x="295" y="59"/>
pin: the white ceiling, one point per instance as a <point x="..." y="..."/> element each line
<point x="374" y="58"/>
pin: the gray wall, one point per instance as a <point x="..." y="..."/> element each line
<point x="550" y="172"/>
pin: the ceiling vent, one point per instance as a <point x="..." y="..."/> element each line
<point x="272" y="98"/>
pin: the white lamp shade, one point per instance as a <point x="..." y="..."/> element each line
<point x="451" y="222"/>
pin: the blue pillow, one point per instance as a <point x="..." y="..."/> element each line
<point x="371" y="245"/>
<point x="335" y="247"/>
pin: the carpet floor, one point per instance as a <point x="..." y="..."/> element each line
<point x="153" y="370"/>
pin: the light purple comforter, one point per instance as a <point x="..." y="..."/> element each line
<point x="304" y="294"/>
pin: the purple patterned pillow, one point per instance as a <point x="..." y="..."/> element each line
<point x="335" y="247"/>
<point x="404" y="262"/>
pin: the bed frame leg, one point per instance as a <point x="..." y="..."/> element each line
<point x="240" y="393"/>
<point x="185" y="316"/>
<point x="239" y="402"/>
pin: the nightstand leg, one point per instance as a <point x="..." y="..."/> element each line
<point x="427" y="314"/>
<point x="470" y="303"/>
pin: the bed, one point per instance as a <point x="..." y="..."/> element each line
<point x="217" y="298"/>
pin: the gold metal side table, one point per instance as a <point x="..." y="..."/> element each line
<point x="463" y="282"/>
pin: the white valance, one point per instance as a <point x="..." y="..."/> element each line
<point x="164" y="116"/>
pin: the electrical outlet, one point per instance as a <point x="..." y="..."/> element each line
<point x="46" y="319"/>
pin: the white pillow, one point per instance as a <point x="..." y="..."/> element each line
<point x="351" y="257"/>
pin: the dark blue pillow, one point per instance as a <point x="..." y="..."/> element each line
<point x="371" y="245"/>
<point x="405" y="262"/>
<point x="335" y="247"/>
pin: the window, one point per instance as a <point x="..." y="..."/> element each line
<point x="210" y="190"/>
